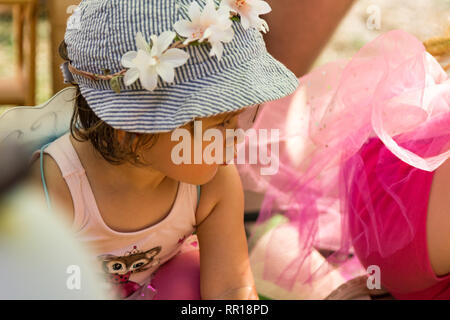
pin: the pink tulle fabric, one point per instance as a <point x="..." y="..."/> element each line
<point x="387" y="202"/>
<point x="391" y="90"/>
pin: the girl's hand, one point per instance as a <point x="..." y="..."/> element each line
<point x="224" y="264"/>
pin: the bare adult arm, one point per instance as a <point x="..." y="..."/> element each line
<point x="299" y="29"/>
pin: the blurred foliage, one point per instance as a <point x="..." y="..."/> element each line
<point x="7" y="52"/>
<point x="5" y="31"/>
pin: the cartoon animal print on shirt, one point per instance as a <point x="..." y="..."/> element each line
<point x="119" y="268"/>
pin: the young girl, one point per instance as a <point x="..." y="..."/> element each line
<point x="370" y="138"/>
<point x="126" y="196"/>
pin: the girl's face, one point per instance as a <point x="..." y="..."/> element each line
<point x="160" y="155"/>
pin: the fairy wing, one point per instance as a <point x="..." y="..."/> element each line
<point x="32" y="127"/>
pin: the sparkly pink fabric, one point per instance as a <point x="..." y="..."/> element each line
<point x="389" y="230"/>
<point x="393" y="91"/>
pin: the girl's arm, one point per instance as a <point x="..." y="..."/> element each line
<point x="224" y="264"/>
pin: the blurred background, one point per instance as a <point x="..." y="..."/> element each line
<point x="423" y="18"/>
<point x="31" y="30"/>
<point x="364" y="21"/>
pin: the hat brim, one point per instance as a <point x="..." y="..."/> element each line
<point x="256" y="81"/>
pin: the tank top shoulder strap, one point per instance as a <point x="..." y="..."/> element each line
<point x="65" y="156"/>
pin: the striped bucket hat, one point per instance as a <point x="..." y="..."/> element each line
<point x="151" y="66"/>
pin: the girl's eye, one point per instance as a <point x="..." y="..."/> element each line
<point x="224" y="124"/>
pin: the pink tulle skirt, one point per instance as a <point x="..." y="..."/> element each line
<point x="361" y="138"/>
<point x="384" y="188"/>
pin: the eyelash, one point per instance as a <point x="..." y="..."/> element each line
<point x="224" y="123"/>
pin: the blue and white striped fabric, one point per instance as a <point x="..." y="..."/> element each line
<point x="246" y="75"/>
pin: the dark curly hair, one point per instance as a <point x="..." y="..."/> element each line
<point x="85" y="125"/>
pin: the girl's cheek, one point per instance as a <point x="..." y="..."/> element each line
<point x="162" y="154"/>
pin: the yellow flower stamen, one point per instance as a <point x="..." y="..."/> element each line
<point x="198" y="34"/>
<point x="240" y="3"/>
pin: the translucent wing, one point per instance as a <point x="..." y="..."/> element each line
<point x="32" y="127"/>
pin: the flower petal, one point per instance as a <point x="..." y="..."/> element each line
<point x="224" y="14"/>
<point x="217" y="50"/>
<point x="220" y="35"/>
<point x="149" y="79"/>
<point x="209" y="14"/>
<point x="209" y="9"/>
<point x="141" y="43"/>
<point x="261" y="7"/>
<point x="154" y="51"/>
<point x="142" y="60"/>
<point x="131" y="76"/>
<point x="127" y="59"/>
<point x="208" y="33"/>
<point x="175" y="57"/>
<point x="165" y="39"/>
<point x="184" y="28"/>
<point x="227" y="4"/>
<point x="258" y="23"/>
<point x="166" y="71"/>
<point x="194" y="11"/>
<point x="245" y="22"/>
<point x="264" y="26"/>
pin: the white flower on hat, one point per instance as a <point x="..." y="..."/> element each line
<point x="150" y="61"/>
<point x="249" y="11"/>
<point x="211" y="24"/>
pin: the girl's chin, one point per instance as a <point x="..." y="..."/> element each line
<point x="204" y="176"/>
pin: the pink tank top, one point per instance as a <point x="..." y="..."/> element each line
<point x="131" y="257"/>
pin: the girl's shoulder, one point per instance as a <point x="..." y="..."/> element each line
<point x="51" y="167"/>
<point x="57" y="188"/>
<point x="226" y="186"/>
